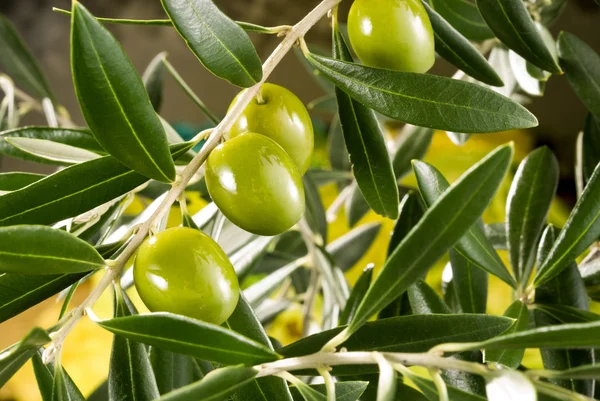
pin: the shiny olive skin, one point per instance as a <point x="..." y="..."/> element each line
<point x="255" y="184"/>
<point x="281" y="116"/>
<point x="182" y="270"/>
<point x="392" y="34"/>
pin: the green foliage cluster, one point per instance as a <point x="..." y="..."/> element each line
<point x="56" y="231"/>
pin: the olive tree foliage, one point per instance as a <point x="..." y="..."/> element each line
<point x="58" y="230"/>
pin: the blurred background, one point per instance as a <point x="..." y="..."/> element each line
<point x="560" y="113"/>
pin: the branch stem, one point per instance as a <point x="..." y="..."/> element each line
<point x="292" y="36"/>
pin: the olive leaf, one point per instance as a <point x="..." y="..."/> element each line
<point x="511" y="23"/>
<point x="20" y="64"/>
<point x="45" y="250"/>
<point x="474" y="245"/>
<point x="113" y="99"/>
<point x="344" y="391"/>
<point x="21" y="292"/>
<point x="364" y="140"/>
<point x="358" y="292"/>
<point x="16" y="180"/>
<point x="216" y="385"/>
<point x="153" y="79"/>
<point x="78" y="138"/>
<point x="130" y="376"/>
<point x="457" y="50"/>
<point x="244" y="321"/>
<point x="464" y="17"/>
<point x="412" y="144"/>
<point x="512" y="358"/>
<point x="52" y="387"/>
<point x="435" y="233"/>
<point x="187" y="336"/>
<point x="15" y="356"/>
<point x="426" y="100"/>
<point x="72" y="191"/>
<point x="588" y="153"/>
<point x="580" y="231"/>
<point x="582" y="68"/>
<point x="527" y="206"/>
<point x="219" y="43"/>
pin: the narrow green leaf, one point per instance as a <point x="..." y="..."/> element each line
<point x="130" y="377"/>
<point x="315" y="211"/>
<point x="324" y="104"/>
<point x="358" y="292"/>
<point x="172" y="371"/>
<point x="336" y="147"/>
<point x="348" y="249"/>
<point x="218" y="42"/>
<point x="15" y="356"/>
<point x="568" y="314"/>
<point x="457" y="50"/>
<point x="364" y="140"/>
<point x="190" y="337"/>
<point x="113" y="99"/>
<point x="50" y="151"/>
<point x="580" y="372"/>
<point x="45" y="377"/>
<point x="465" y="17"/>
<point x="511" y="358"/>
<point x="215" y="386"/>
<point x="496" y="235"/>
<point x="470" y="283"/>
<point x="582" y="68"/>
<point x="580" y="231"/>
<point x="308" y="393"/>
<point x="566" y="289"/>
<point x="413" y="333"/>
<point x="17" y="180"/>
<point x="153" y="79"/>
<point x="511" y="23"/>
<point x="436" y="232"/>
<point x="20" y="292"/>
<point x="344" y="391"/>
<point x="79" y="138"/>
<point x="521" y="70"/>
<point x="62" y="388"/>
<point x="412" y="144"/>
<point x="527" y="206"/>
<point x="45" y="250"/>
<point x="455" y="394"/>
<point x="19" y="63"/>
<point x="356" y="206"/>
<point x="474" y="245"/>
<point x="72" y="191"/>
<point x="562" y="359"/>
<point x="426" y="100"/>
<point x="244" y="321"/>
<point x="411" y="211"/>
<point x="425" y="301"/>
<point x="575" y="335"/>
<point x="590" y="147"/>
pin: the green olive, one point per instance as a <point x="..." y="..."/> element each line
<point x="182" y="270"/>
<point x="392" y="34"/>
<point x="255" y="184"/>
<point x="281" y="116"/>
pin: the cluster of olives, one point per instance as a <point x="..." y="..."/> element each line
<point x="254" y="177"/>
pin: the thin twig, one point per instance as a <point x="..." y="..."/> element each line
<point x="293" y="35"/>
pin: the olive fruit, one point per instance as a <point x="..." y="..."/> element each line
<point x="280" y="115"/>
<point x="182" y="270"/>
<point x="255" y="184"/>
<point x="392" y="34"/>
